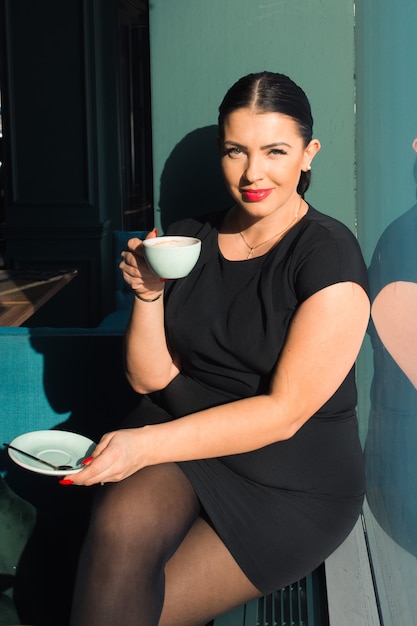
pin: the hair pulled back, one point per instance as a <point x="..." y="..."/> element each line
<point x="270" y="92"/>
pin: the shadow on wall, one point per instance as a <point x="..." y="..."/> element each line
<point x="192" y="182"/>
<point x="390" y="455"/>
<point x="82" y="380"/>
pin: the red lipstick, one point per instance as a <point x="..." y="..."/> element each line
<point x="255" y="195"/>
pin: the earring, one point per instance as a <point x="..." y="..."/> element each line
<point x="308" y="168"/>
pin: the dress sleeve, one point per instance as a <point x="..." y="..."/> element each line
<point x="328" y="256"/>
<point x="395" y="256"/>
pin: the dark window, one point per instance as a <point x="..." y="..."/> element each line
<point x="135" y="115"/>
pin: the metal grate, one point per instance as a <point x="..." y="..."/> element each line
<point x="302" y="604"/>
<point x="287" y="607"/>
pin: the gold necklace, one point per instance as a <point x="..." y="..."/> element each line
<point x="252" y="248"/>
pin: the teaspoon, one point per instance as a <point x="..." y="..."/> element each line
<point x="35" y="458"/>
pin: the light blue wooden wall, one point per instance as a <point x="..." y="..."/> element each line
<point x="199" y="48"/>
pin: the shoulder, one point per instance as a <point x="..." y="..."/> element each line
<point x="327" y="236"/>
<point x="327" y="227"/>
<point x="326" y="252"/>
<point x="395" y="256"/>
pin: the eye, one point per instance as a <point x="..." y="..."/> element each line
<point x="233" y="152"/>
<point x="277" y="151"/>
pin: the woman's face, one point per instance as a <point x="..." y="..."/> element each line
<point x="262" y="156"/>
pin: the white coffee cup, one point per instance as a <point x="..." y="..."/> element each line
<point x="171" y="256"/>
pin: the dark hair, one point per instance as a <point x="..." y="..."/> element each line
<point x="269" y="92"/>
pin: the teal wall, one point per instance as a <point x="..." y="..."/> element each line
<point x="199" y="48"/>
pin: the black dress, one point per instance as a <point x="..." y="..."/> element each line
<point x="282" y="509"/>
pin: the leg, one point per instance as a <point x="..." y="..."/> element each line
<point x="202" y="580"/>
<point x="136" y="526"/>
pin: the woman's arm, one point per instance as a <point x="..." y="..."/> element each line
<point x="394" y="312"/>
<point x="148" y="363"/>
<point x="322" y="345"/>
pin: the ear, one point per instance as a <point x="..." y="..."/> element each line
<point x="414" y="144"/>
<point x="309" y="153"/>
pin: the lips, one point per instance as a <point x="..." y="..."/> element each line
<point x="255" y="195"/>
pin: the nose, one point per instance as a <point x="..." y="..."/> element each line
<point x="254" y="169"/>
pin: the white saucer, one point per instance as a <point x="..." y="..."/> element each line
<point x="55" y="446"/>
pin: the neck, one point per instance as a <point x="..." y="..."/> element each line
<point x="259" y="228"/>
<point x="253" y="243"/>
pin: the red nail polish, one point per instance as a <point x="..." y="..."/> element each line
<point x="87" y="460"/>
<point x="163" y="280"/>
<point x="66" y="481"/>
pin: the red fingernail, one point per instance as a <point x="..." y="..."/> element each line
<point x="163" y="280"/>
<point x="156" y="232"/>
<point x="66" y="481"/>
<point x="87" y="460"/>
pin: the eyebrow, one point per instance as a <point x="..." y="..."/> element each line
<point x="267" y="147"/>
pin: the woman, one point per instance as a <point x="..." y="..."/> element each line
<point x="249" y="471"/>
<point x="390" y="458"/>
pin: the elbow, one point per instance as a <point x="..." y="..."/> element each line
<point x="140" y="386"/>
<point x="292" y="429"/>
<point x="143" y="386"/>
<point x="288" y="420"/>
<point x="140" y="389"/>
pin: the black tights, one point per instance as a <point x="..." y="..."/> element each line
<point x="136" y="526"/>
<point x="127" y="573"/>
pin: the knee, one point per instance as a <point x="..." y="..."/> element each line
<point x="111" y="514"/>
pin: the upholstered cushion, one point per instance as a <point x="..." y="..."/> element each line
<point x="8" y="613"/>
<point x="17" y="520"/>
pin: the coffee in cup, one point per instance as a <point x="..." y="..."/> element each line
<point x="172" y="256"/>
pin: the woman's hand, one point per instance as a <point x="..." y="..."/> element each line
<point x="135" y="270"/>
<point x="117" y="455"/>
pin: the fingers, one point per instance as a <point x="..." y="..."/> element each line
<point x="135" y="244"/>
<point x="112" y="460"/>
<point x="152" y="234"/>
<point x="93" y="473"/>
<point x="136" y="272"/>
<point x="94" y="467"/>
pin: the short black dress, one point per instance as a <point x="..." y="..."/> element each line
<point x="282" y="509"/>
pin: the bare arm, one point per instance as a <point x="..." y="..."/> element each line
<point x="148" y="362"/>
<point x="394" y="312"/>
<point x="323" y="342"/>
